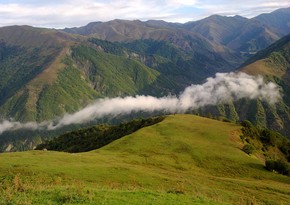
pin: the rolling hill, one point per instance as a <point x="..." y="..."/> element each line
<point x="184" y="159"/>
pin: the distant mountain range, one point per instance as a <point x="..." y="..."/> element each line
<point x="237" y="33"/>
<point x="47" y="72"/>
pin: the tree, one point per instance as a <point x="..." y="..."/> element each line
<point x="279" y="166"/>
<point x="249" y="149"/>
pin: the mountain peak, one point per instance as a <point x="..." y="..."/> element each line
<point x="278" y="19"/>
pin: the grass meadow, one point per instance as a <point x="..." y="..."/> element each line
<point x="184" y="159"/>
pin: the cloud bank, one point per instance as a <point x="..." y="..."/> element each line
<point x="70" y="13"/>
<point x="216" y="90"/>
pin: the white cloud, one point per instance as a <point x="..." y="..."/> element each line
<point x="220" y="89"/>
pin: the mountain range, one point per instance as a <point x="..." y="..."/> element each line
<point x="45" y="73"/>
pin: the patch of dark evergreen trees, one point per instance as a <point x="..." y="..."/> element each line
<point x="95" y="137"/>
<point x="268" y="138"/>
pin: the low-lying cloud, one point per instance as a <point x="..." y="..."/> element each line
<point x="216" y="90"/>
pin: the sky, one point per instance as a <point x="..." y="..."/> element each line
<point x="75" y="13"/>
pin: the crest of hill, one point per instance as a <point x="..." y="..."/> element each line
<point x="184" y="156"/>
<point x="28" y="36"/>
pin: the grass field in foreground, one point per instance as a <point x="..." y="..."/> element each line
<point x="185" y="159"/>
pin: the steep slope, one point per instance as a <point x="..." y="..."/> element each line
<point x="128" y="31"/>
<point x="110" y="74"/>
<point x="253" y="36"/>
<point x="45" y="73"/>
<point x="178" y="68"/>
<point x="38" y="64"/>
<point x="25" y="52"/>
<point x="218" y="28"/>
<point x="278" y="19"/>
<point x="237" y="33"/>
<point x="273" y="63"/>
<point x="184" y="159"/>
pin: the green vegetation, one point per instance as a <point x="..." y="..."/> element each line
<point x="273" y="64"/>
<point x="19" y="65"/>
<point x="184" y="159"/>
<point x="270" y="145"/>
<point x="56" y="73"/>
<point x="174" y="61"/>
<point x="279" y="47"/>
<point x="63" y="82"/>
<point x="95" y="137"/>
<point x="109" y="47"/>
<point x="69" y="93"/>
<point x="279" y="166"/>
<point x="113" y="75"/>
<point x="249" y="149"/>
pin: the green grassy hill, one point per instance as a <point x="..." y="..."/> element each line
<point x="184" y="159"/>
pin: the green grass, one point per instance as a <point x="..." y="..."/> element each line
<point x="185" y="159"/>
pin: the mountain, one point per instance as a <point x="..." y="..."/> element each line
<point x="125" y="30"/>
<point x="253" y="36"/>
<point x="218" y="28"/>
<point x="32" y="63"/>
<point x="237" y="33"/>
<point x="45" y="72"/>
<point x="279" y="20"/>
<point x="273" y="63"/>
<point x="128" y="31"/>
<point x="184" y="159"/>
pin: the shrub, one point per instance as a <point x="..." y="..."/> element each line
<point x="269" y="137"/>
<point x="246" y="124"/>
<point x="249" y="130"/>
<point x="249" y="149"/>
<point x="279" y="166"/>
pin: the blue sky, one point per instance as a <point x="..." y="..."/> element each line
<point x="70" y="13"/>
